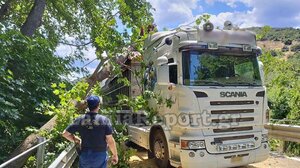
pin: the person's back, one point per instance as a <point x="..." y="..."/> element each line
<point x="95" y="131"/>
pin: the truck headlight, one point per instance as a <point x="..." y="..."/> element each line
<point x="192" y="144"/>
<point x="264" y="138"/>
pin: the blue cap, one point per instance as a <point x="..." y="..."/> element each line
<point x="93" y="101"/>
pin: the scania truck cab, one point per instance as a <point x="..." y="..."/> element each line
<point x="219" y="105"/>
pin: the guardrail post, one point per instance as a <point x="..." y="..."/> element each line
<point x="40" y="153"/>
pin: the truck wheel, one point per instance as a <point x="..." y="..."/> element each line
<point x="159" y="148"/>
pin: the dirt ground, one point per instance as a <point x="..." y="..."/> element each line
<point x="140" y="160"/>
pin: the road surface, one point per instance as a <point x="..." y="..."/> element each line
<point x="140" y="160"/>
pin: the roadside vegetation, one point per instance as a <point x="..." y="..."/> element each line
<point x="36" y="92"/>
<point x="277" y="34"/>
<point x="282" y="78"/>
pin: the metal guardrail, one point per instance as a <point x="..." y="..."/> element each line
<point x="284" y="132"/>
<point x="66" y="158"/>
<point x="40" y="153"/>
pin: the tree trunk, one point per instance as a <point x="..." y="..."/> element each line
<point x="93" y="78"/>
<point x="31" y="140"/>
<point x="4" y="9"/>
<point x="34" y="18"/>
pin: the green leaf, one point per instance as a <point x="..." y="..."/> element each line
<point x="10" y="72"/>
<point x="62" y="85"/>
<point x="53" y="85"/>
<point x="198" y="21"/>
<point x="56" y="92"/>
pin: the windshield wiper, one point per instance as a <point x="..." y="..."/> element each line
<point x="215" y="83"/>
<point x="242" y="83"/>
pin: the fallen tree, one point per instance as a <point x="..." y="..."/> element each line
<point x="88" y="23"/>
<point x="102" y="71"/>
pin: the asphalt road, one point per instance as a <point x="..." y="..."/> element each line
<point x="140" y="160"/>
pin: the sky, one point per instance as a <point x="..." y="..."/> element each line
<point x="242" y="13"/>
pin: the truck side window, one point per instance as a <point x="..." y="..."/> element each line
<point x="173" y="73"/>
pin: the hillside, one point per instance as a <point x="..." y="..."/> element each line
<point x="284" y="40"/>
<point x="279" y="34"/>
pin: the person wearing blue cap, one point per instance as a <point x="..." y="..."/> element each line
<point x="95" y="131"/>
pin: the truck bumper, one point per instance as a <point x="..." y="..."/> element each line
<point x="191" y="160"/>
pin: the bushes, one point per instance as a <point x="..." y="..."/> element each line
<point x="283" y="86"/>
<point x="295" y="48"/>
<point x="28" y="66"/>
<point x="286" y="35"/>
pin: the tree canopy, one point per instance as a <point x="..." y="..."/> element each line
<point x="31" y="31"/>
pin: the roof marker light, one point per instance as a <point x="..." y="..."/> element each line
<point x="212" y="46"/>
<point x="247" y="48"/>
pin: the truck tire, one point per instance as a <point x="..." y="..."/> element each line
<point x="160" y="151"/>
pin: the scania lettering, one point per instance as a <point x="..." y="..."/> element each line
<point x="233" y="94"/>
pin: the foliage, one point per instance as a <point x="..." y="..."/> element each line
<point x="120" y="136"/>
<point x="9" y="137"/>
<point x="27" y="68"/>
<point x="141" y="103"/>
<point x="279" y="34"/>
<point x="295" y="59"/>
<point x="31" y="162"/>
<point x="292" y="148"/>
<point x="202" y="18"/>
<point x="295" y="48"/>
<point x="289" y="148"/>
<point x="83" y="20"/>
<point x="263" y="32"/>
<point x="65" y="113"/>
<point x="30" y="65"/>
<point x="283" y="87"/>
<point x="138" y="103"/>
<point x="283" y="84"/>
<point x="274" y="144"/>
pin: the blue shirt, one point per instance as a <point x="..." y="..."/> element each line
<point x="92" y="128"/>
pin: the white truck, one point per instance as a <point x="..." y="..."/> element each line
<point x="219" y="109"/>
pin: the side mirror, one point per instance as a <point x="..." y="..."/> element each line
<point x="261" y="71"/>
<point x="163" y="74"/>
<point x="162" y="60"/>
<point x="258" y="51"/>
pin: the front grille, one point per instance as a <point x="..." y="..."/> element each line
<point x="234" y="129"/>
<point x="217" y="103"/>
<point x="233" y="120"/>
<point x="232" y="111"/>
<point x="222" y="139"/>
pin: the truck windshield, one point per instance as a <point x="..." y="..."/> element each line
<point x="220" y="69"/>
